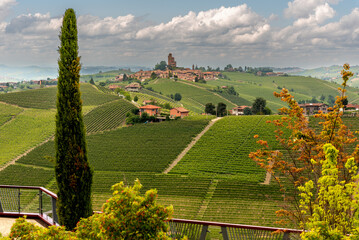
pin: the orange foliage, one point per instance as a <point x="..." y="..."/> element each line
<point x="302" y="153"/>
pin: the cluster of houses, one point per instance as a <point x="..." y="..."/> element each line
<point x="185" y="74"/>
<point x="172" y="71"/>
<point x="153" y="110"/>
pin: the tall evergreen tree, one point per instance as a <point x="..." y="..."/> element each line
<point x="73" y="173"/>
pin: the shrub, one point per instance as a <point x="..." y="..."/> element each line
<point x="127" y="215"/>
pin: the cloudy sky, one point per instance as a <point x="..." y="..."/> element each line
<point x="304" y="33"/>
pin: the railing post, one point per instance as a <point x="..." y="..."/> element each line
<point x="204" y="232"/>
<point x="19" y="202"/>
<point x="224" y="233"/>
<point x="286" y="236"/>
<point x="54" y="213"/>
<point x="40" y="202"/>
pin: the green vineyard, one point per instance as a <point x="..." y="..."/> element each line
<point x="107" y="116"/>
<point x="223" y="151"/>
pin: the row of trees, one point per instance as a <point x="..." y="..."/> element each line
<point x="220" y="111"/>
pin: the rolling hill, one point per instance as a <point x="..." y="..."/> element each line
<point x="214" y="181"/>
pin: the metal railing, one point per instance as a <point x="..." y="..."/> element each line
<point x="34" y="202"/>
<point x="198" y="230"/>
<point x="40" y="203"/>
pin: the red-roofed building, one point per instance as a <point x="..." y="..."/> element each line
<point x="239" y="110"/>
<point x="178" y="112"/>
<point x="313" y="108"/>
<point x="353" y="107"/>
<point x="113" y="87"/>
<point x="133" y="87"/>
<point x="151" y="110"/>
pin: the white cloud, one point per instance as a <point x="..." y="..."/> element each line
<point x="34" y="24"/>
<point x="216" y="26"/>
<point x="94" y="26"/>
<point x="227" y="34"/>
<point x="5" y="6"/>
<point x="303" y="8"/>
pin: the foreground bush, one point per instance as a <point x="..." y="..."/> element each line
<point x="334" y="214"/>
<point x="127" y="215"/>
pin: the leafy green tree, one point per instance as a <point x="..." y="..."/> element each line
<point x="135" y="99"/>
<point x="337" y="202"/>
<point x="161" y="66"/>
<point x="73" y="172"/>
<point x="153" y="75"/>
<point x="177" y="97"/>
<point x="210" y="109"/>
<point x="125" y="78"/>
<point x="221" y="109"/>
<point x="258" y="105"/>
<point x="228" y="67"/>
<point x="247" y="111"/>
<point x="92" y="81"/>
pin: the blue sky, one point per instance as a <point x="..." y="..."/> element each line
<point x="304" y="33"/>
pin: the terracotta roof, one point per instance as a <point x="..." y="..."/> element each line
<point x="242" y="107"/>
<point x="181" y="109"/>
<point x="312" y="104"/>
<point x="149" y="107"/>
<point x="133" y="85"/>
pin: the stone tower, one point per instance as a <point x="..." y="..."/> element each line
<point x="171" y="61"/>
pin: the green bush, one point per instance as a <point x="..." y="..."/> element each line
<point x="127" y="215"/>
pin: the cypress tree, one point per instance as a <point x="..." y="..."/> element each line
<point x="73" y="172"/>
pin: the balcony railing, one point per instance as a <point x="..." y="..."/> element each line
<point x="34" y="202"/>
<point x="40" y="203"/>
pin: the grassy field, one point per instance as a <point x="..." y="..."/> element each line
<point x="8" y="112"/>
<point x="250" y="86"/>
<point x="193" y="98"/>
<point x="102" y="77"/>
<point x="163" y="100"/>
<point x="45" y="98"/>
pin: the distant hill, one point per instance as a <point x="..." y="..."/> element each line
<point x="331" y="73"/>
<point x="16" y="74"/>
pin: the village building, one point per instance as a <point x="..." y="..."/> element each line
<point x="113" y="87"/>
<point x="178" y="112"/>
<point x="313" y="108"/>
<point x="271" y="74"/>
<point x="352" y="107"/>
<point x="119" y="78"/>
<point x="239" y="110"/>
<point x="151" y="110"/>
<point x="133" y="87"/>
<point x="147" y="102"/>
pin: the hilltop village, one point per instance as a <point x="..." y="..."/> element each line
<point x="172" y="70"/>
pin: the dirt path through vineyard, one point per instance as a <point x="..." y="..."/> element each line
<point x="183" y="153"/>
